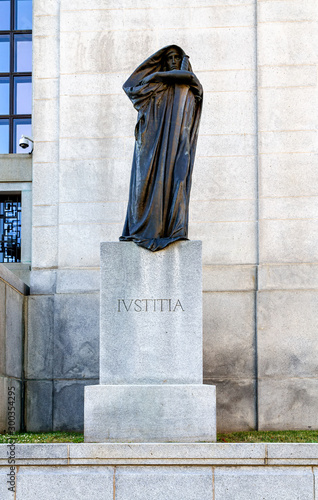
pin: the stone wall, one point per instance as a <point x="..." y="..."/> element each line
<point x="12" y="333"/>
<point x="287" y="146"/>
<point x="161" y="471"/>
<point x="253" y="202"/>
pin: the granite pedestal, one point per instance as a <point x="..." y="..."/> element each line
<point x="150" y="348"/>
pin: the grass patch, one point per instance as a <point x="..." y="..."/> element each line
<point x="269" y="437"/>
<point x="233" y="437"/>
<point x="49" y="437"/>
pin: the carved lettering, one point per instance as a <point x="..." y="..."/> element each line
<point x="137" y="306"/>
<point x="149" y="305"/>
<point x="178" y="304"/>
<point x="129" y="304"/>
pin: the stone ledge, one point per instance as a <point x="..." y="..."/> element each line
<point x="224" y="454"/>
<point x="16" y="167"/>
<point x="12" y="280"/>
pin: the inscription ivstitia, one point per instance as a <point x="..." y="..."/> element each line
<point x="149" y="305"/>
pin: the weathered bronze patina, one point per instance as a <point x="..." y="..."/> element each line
<point x="168" y="98"/>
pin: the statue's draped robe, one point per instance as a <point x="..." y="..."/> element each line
<point x="166" y="135"/>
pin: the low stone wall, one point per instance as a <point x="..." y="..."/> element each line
<point x="12" y="303"/>
<point x="207" y="471"/>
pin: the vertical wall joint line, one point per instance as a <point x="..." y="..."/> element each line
<point x="257" y="214"/>
<point x="213" y="484"/>
<point x="114" y="484"/>
<point x="266" y="455"/>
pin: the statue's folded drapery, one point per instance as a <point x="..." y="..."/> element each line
<point x="166" y="135"/>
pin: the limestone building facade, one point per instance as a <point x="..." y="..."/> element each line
<point x="254" y="201"/>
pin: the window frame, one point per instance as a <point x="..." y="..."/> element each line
<point x="12" y="75"/>
<point x="25" y="189"/>
<point x="18" y="196"/>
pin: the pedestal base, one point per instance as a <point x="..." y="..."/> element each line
<point x="150" y="413"/>
<point x="151" y="314"/>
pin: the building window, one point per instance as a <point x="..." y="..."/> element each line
<point x="15" y="73"/>
<point x="10" y="227"/>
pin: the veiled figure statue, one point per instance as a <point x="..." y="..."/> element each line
<point x="168" y="98"/>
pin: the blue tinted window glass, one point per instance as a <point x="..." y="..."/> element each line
<point x="23" y="14"/>
<point x="4" y="54"/>
<point x="4" y="14"/>
<point x="22" y="95"/>
<point x="23" y="53"/>
<point x="4" y="136"/>
<point x="21" y="126"/>
<point x="4" y="96"/>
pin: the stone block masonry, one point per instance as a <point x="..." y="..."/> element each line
<point x="12" y="302"/>
<point x="207" y="471"/>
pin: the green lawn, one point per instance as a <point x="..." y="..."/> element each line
<point x="269" y="437"/>
<point x="234" y="437"/>
<point x="47" y="437"/>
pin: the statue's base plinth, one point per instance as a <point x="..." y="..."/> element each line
<point x="150" y="413"/>
<point x="151" y="377"/>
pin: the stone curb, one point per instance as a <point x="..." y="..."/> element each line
<point x="163" y="454"/>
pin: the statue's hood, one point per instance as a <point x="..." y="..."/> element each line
<point x="151" y="65"/>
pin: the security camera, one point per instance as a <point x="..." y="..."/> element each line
<point x="25" y="141"/>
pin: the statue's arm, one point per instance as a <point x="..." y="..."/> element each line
<point x="175" y="77"/>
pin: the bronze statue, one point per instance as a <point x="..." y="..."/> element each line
<point x="168" y="98"/>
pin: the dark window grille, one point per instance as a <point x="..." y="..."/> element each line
<point x="10" y="228"/>
<point x="15" y="73"/>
